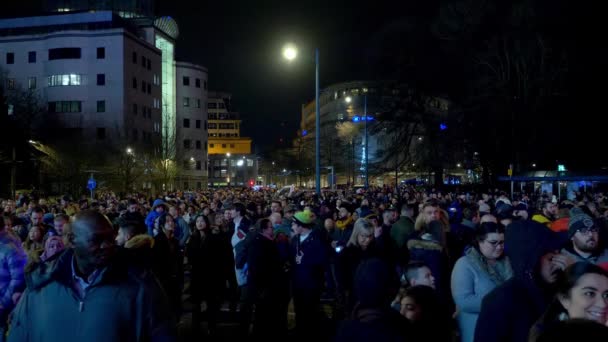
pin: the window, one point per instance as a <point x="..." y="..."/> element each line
<point x="101" y="79"/>
<point x="212" y="126"/>
<point x="31" y="83"/>
<point x="198" y="144"/>
<point x="31" y="57"/>
<point x="156" y="80"/>
<point x="64" y="53"/>
<point x="186" y="80"/>
<point x="211" y="145"/>
<point x="223" y="145"/>
<point x="185" y="185"/>
<point x="197" y="82"/>
<point x="187" y="144"/>
<point x="143" y="61"/>
<point x="134" y="83"/>
<point x="198" y="165"/>
<point x="64" y="80"/>
<point x="101" y="53"/>
<point x="186" y="123"/>
<point x="205" y="125"/>
<point x="231" y="145"/>
<point x="10" y="84"/>
<point x="65" y="107"/>
<point x="156" y="103"/>
<point x="101" y="133"/>
<point x="143" y="86"/>
<point x="134" y="57"/>
<point x="101" y="106"/>
<point x="212" y="105"/>
<point x="205" y="87"/>
<point x="222" y="105"/>
<point x="149" y="64"/>
<point x="10" y="58"/>
<point x="135" y="109"/>
<point x="198" y="123"/>
<point x="149" y="88"/>
<point x="199" y="185"/>
<point x="198" y="103"/>
<point x="186" y="102"/>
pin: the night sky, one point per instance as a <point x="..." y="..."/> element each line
<point x="240" y="44"/>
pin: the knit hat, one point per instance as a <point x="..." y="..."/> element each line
<point x="304" y="218"/>
<point x="578" y="220"/>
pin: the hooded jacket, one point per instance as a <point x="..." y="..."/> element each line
<point x="122" y="304"/>
<point x="508" y="312"/>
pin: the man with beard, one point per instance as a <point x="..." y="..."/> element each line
<point x="584" y="234"/>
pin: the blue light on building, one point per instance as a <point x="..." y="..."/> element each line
<point x="304" y="132"/>
<point x="443" y="127"/>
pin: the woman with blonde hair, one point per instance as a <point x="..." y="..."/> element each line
<point x="361" y="246"/>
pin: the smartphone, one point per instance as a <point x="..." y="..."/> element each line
<point x="339" y="249"/>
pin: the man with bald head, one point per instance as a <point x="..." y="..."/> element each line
<point x="91" y="292"/>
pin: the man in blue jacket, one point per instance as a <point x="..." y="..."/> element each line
<point x="90" y="293"/>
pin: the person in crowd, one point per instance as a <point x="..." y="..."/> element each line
<point x="59" y="223"/>
<point x="574" y="330"/>
<point x="90" y="292"/>
<point x="167" y="260"/>
<point x="372" y="319"/>
<point x="361" y="246"/>
<point x="36" y="220"/>
<point x="206" y="279"/>
<point x="581" y="293"/>
<point x="463" y="233"/>
<point x="344" y="225"/>
<point x="546" y="214"/>
<point x="12" y="280"/>
<point x="267" y="282"/>
<point x="509" y="311"/>
<point x="429" y="319"/>
<point x="132" y="235"/>
<point x="158" y="208"/>
<point x="308" y="256"/>
<point x="584" y="239"/>
<point x="418" y="273"/>
<point x="52" y="246"/>
<point x="403" y="229"/>
<point x="483" y="268"/>
<point x="563" y="219"/>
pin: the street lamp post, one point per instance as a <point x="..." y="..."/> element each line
<point x="290" y="53"/>
<point x="228" y="169"/>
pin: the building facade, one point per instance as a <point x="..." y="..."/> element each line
<point x="192" y="125"/>
<point x="230" y="158"/>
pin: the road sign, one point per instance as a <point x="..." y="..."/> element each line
<point x="91" y="184"/>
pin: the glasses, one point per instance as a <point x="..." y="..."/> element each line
<point x="495" y="243"/>
<point x="586" y="231"/>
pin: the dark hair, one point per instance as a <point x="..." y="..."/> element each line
<point x="240" y="208"/>
<point x="205" y="218"/>
<point x="470" y="212"/>
<point x="487" y="228"/>
<point x="162" y="219"/>
<point x="132" y="201"/>
<point x="262" y="224"/>
<point x="38" y="210"/>
<point x="427" y="299"/>
<point x="131" y="227"/>
<point x="573" y="329"/>
<point x="1" y="223"/>
<point x="60" y="216"/>
<point x="565" y="282"/>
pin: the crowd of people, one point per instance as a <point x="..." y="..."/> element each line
<point x="391" y="264"/>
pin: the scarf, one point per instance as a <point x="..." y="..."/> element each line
<point x="499" y="273"/>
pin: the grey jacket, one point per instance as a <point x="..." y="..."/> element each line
<point x="122" y="304"/>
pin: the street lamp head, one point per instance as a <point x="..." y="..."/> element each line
<point x="129" y="150"/>
<point x="458" y="165"/>
<point x="191" y="158"/>
<point x="290" y="52"/>
<point x="240" y="162"/>
<point x="348" y="99"/>
<point x="228" y="154"/>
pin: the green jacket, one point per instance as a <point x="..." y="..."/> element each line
<point x="401" y="230"/>
<point x="122" y="304"/>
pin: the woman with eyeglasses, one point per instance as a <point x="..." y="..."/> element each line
<point x="582" y="293"/>
<point x="477" y="273"/>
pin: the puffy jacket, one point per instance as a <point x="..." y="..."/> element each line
<point x="122" y="304"/>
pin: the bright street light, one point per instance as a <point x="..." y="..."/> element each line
<point x="533" y="165"/>
<point x="129" y="150"/>
<point x="239" y="162"/>
<point x="290" y="52"/>
<point x="458" y="165"/>
<point x="192" y="159"/>
<point x="348" y="99"/>
<point x="228" y="154"/>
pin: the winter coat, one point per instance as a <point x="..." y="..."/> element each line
<point x="508" y="312"/>
<point x="12" y="264"/>
<point x="402" y="230"/>
<point x="472" y="280"/>
<point x="374" y="325"/>
<point x="206" y="273"/>
<point x="122" y="304"/>
<point x="309" y="273"/>
<point x="597" y="258"/>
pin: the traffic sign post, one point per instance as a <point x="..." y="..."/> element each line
<point x="91" y="185"/>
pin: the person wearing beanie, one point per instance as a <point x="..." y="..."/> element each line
<point x="584" y="244"/>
